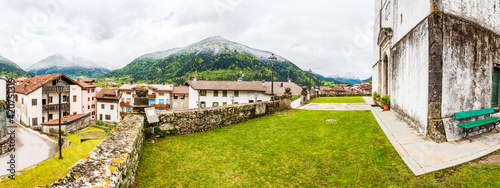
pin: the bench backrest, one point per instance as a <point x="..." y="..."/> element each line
<point x="467" y="114"/>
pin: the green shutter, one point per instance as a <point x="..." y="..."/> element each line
<point x="494" y="98"/>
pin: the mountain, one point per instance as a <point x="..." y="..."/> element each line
<point x="214" y="58"/>
<point x="71" y="66"/>
<point x="346" y="78"/>
<point x="367" y="80"/>
<point x="10" y="69"/>
<point x="321" y="77"/>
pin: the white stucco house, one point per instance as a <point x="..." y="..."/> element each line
<point x="435" y="58"/>
<point x="158" y="96"/>
<point x="36" y="99"/>
<point x="203" y="94"/>
<point x="108" y="105"/>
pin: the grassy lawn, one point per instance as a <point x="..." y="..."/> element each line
<point x="52" y="169"/>
<point x="337" y="100"/>
<point x="297" y="148"/>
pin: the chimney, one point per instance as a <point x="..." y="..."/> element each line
<point x="289" y="80"/>
<point x="131" y="83"/>
<point x="263" y="82"/>
<point x="194" y="78"/>
<point x="281" y="84"/>
<point x="25" y="87"/>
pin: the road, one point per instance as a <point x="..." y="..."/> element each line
<point x="31" y="148"/>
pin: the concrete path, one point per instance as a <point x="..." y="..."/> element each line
<point x="420" y="154"/>
<point x="296" y="103"/>
<point x="31" y="148"/>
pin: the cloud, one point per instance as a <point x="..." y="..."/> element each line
<point x="327" y="36"/>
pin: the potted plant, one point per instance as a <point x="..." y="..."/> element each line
<point x="386" y="102"/>
<point x="374" y="96"/>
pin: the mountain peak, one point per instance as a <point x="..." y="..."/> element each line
<point x="215" y="39"/>
<point x="68" y="64"/>
<point x="346" y="77"/>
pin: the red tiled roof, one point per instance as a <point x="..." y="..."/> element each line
<point x="111" y="92"/>
<point x="86" y="83"/>
<point x="226" y="85"/>
<point x="69" y="119"/>
<point x="36" y="82"/>
<point x="180" y="90"/>
<point x="154" y="87"/>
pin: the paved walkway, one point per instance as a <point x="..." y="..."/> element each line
<point x="31" y="148"/>
<point x="423" y="155"/>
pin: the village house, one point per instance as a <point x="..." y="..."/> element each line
<point x="37" y="100"/>
<point x="158" y="94"/>
<point x="435" y="58"/>
<point x="89" y="91"/>
<point x="180" y="98"/>
<point x="203" y="94"/>
<point x="3" y="85"/>
<point x="108" y="105"/>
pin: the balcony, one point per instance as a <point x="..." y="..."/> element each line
<point x="161" y="106"/>
<point x="50" y="89"/>
<point x="123" y="114"/>
<point x="49" y="107"/>
<point x="152" y="96"/>
<point x="124" y="104"/>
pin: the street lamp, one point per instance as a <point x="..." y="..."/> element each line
<point x="59" y="89"/>
<point x="232" y="98"/>
<point x="272" y="58"/>
<point x="310" y="84"/>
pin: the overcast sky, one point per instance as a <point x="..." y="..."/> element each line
<point x="328" y="36"/>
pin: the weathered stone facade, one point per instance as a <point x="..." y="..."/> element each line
<point x="200" y="120"/>
<point x="442" y="61"/>
<point x="112" y="163"/>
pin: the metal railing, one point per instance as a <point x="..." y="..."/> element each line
<point x="50" y="89"/>
<point x="64" y="106"/>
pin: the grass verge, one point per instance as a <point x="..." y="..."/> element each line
<point x="52" y="169"/>
<point x="337" y="100"/>
<point x="292" y="149"/>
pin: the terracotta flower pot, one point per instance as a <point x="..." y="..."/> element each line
<point x="378" y="98"/>
<point x="386" y="107"/>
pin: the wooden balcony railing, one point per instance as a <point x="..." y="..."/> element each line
<point x="124" y="104"/>
<point x="161" y="106"/>
<point x="49" y="89"/>
<point x="152" y="96"/>
<point x="123" y="114"/>
<point x="64" y="106"/>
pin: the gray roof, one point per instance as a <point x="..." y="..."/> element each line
<point x="227" y="85"/>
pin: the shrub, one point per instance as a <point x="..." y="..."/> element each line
<point x="115" y="123"/>
<point x="385" y="100"/>
<point x="99" y="122"/>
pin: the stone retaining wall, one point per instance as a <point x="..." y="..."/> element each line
<point x="113" y="162"/>
<point x="199" y="120"/>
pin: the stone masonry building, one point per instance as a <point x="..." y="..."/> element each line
<point x="435" y="58"/>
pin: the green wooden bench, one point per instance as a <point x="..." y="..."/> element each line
<point x="468" y="126"/>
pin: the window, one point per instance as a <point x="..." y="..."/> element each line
<point x="108" y="117"/>
<point x="50" y="100"/>
<point x="33" y="102"/>
<point x="44" y="101"/>
<point x="215" y="104"/>
<point x="216" y="93"/>
<point x="224" y="103"/>
<point x="176" y="96"/>
<point x="236" y="93"/>
<point x="102" y="106"/>
<point x="93" y="98"/>
<point x="100" y="116"/>
<point x="93" y="106"/>
<point x="88" y="107"/>
<point x="129" y="109"/>
<point x="88" y="91"/>
<point x="161" y="94"/>
<point x="175" y="105"/>
<point x="203" y="92"/>
<point x="224" y="93"/>
<point x="93" y="90"/>
<point x="65" y="114"/>
<point x="168" y="101"/>
<point x="64" y="98"/>
<point x="74" y="113"/>
<point x="87" y="99"/>
<point x="496" y="82"/>
<point x="74" y="98"/>
<point x="182" y="96"/>
<point x="50" y="117"/>
<point x="250" y="101"/>
<point x="22" y="100"/>
<point x="182" y="104"/>
<point x="112" y="107"/>
<point x="16" y="98"/>
<point x="161" y="101"/>
<point x="152" y="101"/>
<point x="93" y="112"/>
<point x="128" y="93"/>
<point x="34" y="121"/>
<point x="128" y="100"/>
<point x="203" y="104"/>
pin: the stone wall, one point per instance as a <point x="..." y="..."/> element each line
<point x="199" y="120"/>
<point x="77" y="124"/>
<point x="112" y="163"/>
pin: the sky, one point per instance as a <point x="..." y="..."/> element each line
<point x="327" y="36"/>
